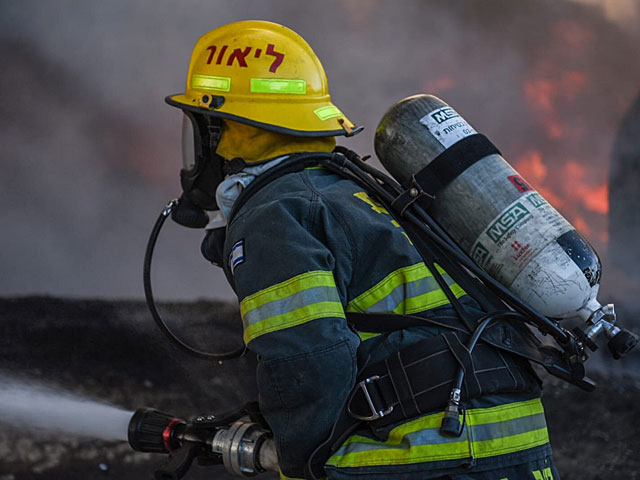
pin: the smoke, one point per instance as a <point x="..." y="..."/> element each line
<point x="621" y="12"/>
<point x="624" y="196"/>
<point x="89" y="153"/>
<point x="49" y="412"/>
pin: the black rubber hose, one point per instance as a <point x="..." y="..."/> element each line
<point x="148" y="293"/>
<point x="483" y="323"/>
<point x="451" y="421"/>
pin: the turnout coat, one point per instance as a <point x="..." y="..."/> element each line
<point x="302" y="251"/>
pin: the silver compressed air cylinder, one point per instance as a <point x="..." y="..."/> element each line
<point x="493" y="214"/>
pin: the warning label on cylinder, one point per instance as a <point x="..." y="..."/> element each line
<point x="447" y="126"/>
<point x="521" y="231"/>
<point x="519" y="183"/>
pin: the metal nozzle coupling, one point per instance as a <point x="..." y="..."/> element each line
<point x="246" y="448"/>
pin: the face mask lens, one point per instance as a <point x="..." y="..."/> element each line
<point x="188" y="144"/>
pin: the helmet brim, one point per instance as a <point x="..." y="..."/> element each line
<point x="283" y="118"/>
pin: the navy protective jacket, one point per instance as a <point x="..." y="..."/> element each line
<point x="303" y="250"/>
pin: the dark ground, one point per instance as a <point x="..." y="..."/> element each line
<point x="112" y="351"/>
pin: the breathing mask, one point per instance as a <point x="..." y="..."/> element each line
<point x="202" y="169"/>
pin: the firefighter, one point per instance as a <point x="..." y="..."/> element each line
<point x="304" y="249"/>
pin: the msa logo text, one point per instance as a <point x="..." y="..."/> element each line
<point x="508" y="219"/>
<point x="444" y="114"/>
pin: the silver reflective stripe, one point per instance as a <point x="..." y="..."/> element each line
<point x="427" y="436"/>
<point x="291" y="303"/>
<point x="432" y="436"/>
<point x="515" y="426"/>
<point x="406" y="291"/>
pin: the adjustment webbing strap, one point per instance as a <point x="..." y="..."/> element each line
<point x="418" y="379"/>
<point x="402" y="386"/>
<point x="446" y="167"/>
<point x="409" y="197"/>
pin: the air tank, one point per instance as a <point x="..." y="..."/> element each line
<point x="488" y="208"/>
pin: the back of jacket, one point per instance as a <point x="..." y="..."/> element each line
<point x="302" y="251"/>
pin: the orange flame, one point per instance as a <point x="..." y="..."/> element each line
<point x="531" y="167"/>
<point x="541" y="95"/>
<point x="579" y="222"/>
<point x="549" y="94"/>
<point x="569" y="189"/>
<point x="575" y="183"/>
<point x="594" y="198"/>
<point x="598" y="200"/>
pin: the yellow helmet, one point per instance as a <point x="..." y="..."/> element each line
<point x="264" y="75"/>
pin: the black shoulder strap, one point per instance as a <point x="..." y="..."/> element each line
<point x="390" y="322"/>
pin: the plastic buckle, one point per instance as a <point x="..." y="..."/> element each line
<point x="375" y="413"/>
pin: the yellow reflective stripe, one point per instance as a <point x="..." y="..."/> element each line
<point x="316" y="278"/>
<point x="427" y="293"/>
<point x="211" y="82"/>
<point x="295" y="301"/>
<point x="510" y="444"/>
<point x="505" y="412"/>
<point x="367" y="335"/>
<point x="430" y="421"/>
<point x="330" y="111"/>
<point x="383" y="288"/>
<point x="427" y="301"/>
<point x="402" y="454"/>
<point x="293" y="318"/>
<point x="510" y="428"/>
<point x="278" y="85"/>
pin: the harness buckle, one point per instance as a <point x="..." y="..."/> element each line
<point x="375" y="412"/>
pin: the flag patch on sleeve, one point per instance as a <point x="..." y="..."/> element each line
<point x="236" y="257"/>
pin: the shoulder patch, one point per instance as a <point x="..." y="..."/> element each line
<point x="236" y="257"/>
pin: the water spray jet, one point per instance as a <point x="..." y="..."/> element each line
<point x="50" y="412"/>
